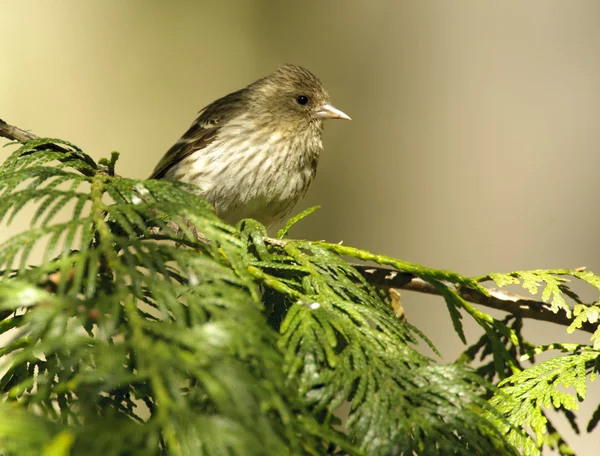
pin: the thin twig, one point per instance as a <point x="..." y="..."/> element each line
<point x="15" y="133"/>
<point x="498" y="299"/>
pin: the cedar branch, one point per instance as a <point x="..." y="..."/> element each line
<point x="497" y="299"/>
<point x="388" y="278"/>
<point x="15" y="133"/>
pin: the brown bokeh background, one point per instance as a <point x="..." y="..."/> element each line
<point x="475" y="134"/>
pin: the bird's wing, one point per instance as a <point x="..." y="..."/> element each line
<point x="201" y="133"/>
<point x="196" y="138"/>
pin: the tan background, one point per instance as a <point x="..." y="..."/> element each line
<point x="475" y="132"/>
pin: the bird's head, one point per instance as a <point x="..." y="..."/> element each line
<point x="294" y="96"/>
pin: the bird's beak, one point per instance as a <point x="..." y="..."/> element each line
<point x="329" y="112"/>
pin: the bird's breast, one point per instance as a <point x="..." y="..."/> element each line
<point x="250" y="172"/>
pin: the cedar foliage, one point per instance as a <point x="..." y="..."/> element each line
<point x="149" y="326"/>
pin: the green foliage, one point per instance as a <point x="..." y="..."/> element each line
<point x="148" y="326"/>
<point x="553" y="284"/>
<point x="584" y="313"/>
<point x="522" y="396"/>
<point x="341" y="341"/>
<point x="144" y="346"/>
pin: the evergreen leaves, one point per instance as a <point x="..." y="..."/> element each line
<point x="142" y="345"/>
<point x="523" y="396"/>
<point x="344" y="343"/>
<point x="149" y="326"/>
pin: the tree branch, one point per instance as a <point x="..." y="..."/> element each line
<point x="388" y="278"/>
<point x="498" y="299"/>
<point x="15" y="133"/>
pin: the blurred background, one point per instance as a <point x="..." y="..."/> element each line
<point x="475" y="134"/>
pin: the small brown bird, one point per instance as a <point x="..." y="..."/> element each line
<point x="254" y="153"/>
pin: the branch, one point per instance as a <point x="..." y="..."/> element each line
<point x="498" y="299"/>
<point x="388" y="278"/>
<point x="15" y="133"/>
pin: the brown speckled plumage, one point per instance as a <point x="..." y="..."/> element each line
<point x="254" y="152"/>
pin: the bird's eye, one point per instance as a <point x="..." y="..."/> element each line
<point x="302" y="99"/>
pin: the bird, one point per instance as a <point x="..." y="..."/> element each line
<point x="254" y="153"/>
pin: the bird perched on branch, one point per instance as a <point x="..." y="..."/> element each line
<point x="254" y="152"/>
